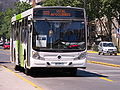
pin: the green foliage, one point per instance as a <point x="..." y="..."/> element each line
<point x="5" y="23"/>
<point x="21" y="7"/>
<point x="1" y="15"/>
<point x="5" y="20"/>
<point x="94" y="9"/>
<point x="73" y="3"/>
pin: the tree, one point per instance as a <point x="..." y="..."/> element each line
<point x="21" y="7"/>
<point x="5" y="22"/>
<point x="1" y="17"/>
<point x="73" y="3"/>
<point x="5" y="26"/>
<point x="111" y="9"/>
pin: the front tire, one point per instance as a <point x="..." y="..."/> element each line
<point x="99" y="53"/>
<point x="110" y="53"/>
<point x="27" y="71"/>
<point x="73" y="71"/>
<point x="115" y="54"/>
<point x="17" y="67"/>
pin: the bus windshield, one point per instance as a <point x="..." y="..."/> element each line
<point x="54" y="35"/>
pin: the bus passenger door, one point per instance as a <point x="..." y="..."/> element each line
<point x="28" y="47"/>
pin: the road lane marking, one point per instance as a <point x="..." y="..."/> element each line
<point x="4" y="50"/>
<point x="106" y="79"/>
<point x="31" y="83"/>
<point x="5" y="53"/>
<point x="92" y="52"/>
<point x="102" y="63"/>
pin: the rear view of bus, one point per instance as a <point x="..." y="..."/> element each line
<point x="58" y="39"/>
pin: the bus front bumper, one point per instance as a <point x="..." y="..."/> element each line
<point x="74" y="63"/>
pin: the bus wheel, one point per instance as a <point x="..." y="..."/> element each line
<point x="27" y="71"/>
<point x="110" y="53"/>
<point x="73" y="71"/>
<point x="115" y="54"/>
<point x="17" y="67"/>
<point x="99" y="53"/>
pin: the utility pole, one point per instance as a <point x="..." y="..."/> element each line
<point x="118" y="33"/>
<point x="85" y="7"/>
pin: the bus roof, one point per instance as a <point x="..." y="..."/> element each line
<point x="58" y="7"/>
<point x="30" y="11"/>
<point x="22" y="15"/>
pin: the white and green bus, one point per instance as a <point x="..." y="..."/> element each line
<point x="49" y="37"/>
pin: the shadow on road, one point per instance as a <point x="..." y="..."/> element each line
<point x="80" y="73"/>
<point x="83" y="73"/>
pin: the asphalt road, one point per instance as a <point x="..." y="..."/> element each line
<point x="111" y="59"/>
<point x="95" y="77"/>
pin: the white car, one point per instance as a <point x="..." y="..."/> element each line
<point x="107" y="47"/>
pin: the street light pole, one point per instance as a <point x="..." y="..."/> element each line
<point x="85" y="4"/>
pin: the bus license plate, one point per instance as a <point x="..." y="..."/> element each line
<point x="58" y="63"/>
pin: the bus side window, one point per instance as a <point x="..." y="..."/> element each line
<point x="24" y="30"/>
<point x="24" y="35"/>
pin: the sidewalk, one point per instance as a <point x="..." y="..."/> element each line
<point x="9" y="81"/>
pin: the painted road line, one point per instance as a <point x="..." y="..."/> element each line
<point x="92" y="52"/>
<point x="4" y="50"/>
<point x="5" y="53"/>
<point x="102" y="63"/>
<point x="31" y="83"/>
<point x="106" y="79"/>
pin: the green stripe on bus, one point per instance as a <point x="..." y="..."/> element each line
<point x="19" y="49"/>
<point x="18" y="16"/>
<point x="16" y="48"/>
<point x="21" y="56"/>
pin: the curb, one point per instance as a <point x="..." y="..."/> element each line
<point x="92" y="52"/>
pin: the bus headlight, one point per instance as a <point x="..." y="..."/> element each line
<point x="36" y="55"/>
<point x="114" y="49"/>
<point x="81" y="56"/>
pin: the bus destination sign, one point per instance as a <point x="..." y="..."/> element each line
<point x="58" y="13"/>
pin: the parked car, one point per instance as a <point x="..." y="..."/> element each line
<point x="107" y="48"/>
<point x="6" y="45"/>
<point x="1" y="43"/>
